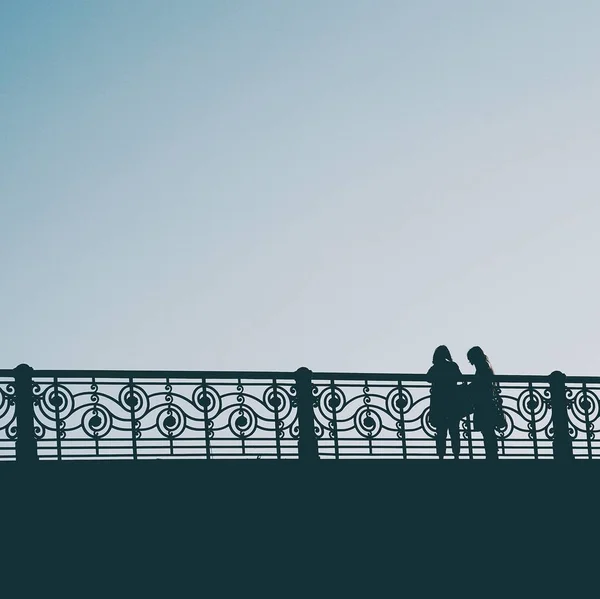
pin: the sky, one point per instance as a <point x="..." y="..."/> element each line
<point x="337" y="184"/>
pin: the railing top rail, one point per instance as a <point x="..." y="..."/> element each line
<point x="164" y="374"/>
<point x="506" y="378"/>
<point x="594" y="380"/>
<point x="370" y="376"/>
<point x="280" y="375"/>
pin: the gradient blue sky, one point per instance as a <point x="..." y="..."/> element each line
<point x="266" y="184"/>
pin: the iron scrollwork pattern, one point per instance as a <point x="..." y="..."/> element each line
<point x="108" y="418"/>
<point x="362" y="419"/>
<point x="528" y="415"/>
<point x="8" y="418"/>
<point x="583" y="409"/>
<point x="165" y="415"/>
<point x="381" y="418"/>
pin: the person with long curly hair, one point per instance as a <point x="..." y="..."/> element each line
<point x="487" y="407"/>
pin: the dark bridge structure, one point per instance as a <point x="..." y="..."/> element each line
<point x="196" y="471"/>
<point x="60" y="415"/>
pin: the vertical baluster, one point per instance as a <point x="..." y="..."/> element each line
<point x="56" y="403"/>
<point x="533" y="430"/>
<point x="205" y="404"/>
<point x="402" y="423"/>
<point x="562" y="444"/>
<point x="334" y="405"/>
<point x="169" y="402"/>
<point x="588" y="428"/>
<point x="94" y="397"/>
<point x="276" y="408"/>
<point x="368" y="414"/>
<point x="132" y="419"/>
<point x="307" y="439"/>
<point x="26" y="444"/>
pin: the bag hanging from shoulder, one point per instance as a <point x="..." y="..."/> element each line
<point x="500" y="416"/>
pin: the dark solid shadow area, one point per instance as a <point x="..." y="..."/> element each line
<point x="209" y="493"/>
<point x="226" y="525"/>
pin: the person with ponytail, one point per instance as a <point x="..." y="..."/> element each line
<point x="444" y="413"/>
<point x="487" y="405"/>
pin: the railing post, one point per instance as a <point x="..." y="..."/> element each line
<point x="562" y="444"/>
<point x="26" y="444"/>
<point x="307" y="440"/>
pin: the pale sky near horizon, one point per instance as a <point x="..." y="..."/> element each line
<point x="338" y="184"/>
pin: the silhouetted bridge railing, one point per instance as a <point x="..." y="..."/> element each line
<point x="66" y="415"/>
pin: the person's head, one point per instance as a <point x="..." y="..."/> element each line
<point x="476" y="357"/>
<point x="441" y="354"/>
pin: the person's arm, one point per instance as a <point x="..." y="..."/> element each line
<point x="457" y="372"/>
<point x="429" y="376"/>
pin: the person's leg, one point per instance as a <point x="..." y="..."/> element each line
<point x="490" y="442"/>
<point x="455" y="438"/>
<point x="440" y="439"/>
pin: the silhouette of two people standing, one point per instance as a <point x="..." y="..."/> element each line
<point x="451" y="402"/>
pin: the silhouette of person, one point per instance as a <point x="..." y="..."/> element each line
<point x="487" y="411"/>
<point x="444" y="412"/>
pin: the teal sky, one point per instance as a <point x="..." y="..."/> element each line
<point x="266" y="184"/>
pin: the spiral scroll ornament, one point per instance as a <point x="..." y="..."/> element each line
<point x="332" y="400"/>
<point x="56" y="400"/>
<point x="532" y="405"/>
<point x="97" y="422"/>
<point x="585" y="410"/>
<point x="277" y="401"/>
<point x="367" y="422"/>
<point x="7" y="403"/>
<point x="134" y="399"/>
<point x="207" y="400"/>
<point x="171" y="421"/>
<point x="399" y="401"/>
<point x="243" y="422"/>
<point x="7" y="399"/>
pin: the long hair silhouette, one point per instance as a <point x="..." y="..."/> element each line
<point x="487" y="405"/>
<point x="441" y="354"/>
<point x="478" y="358"/>
<point x="444" y="414"/>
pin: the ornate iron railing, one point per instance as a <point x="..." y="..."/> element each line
<point x="8" y="415"/>
<point x="67" y="415"/>
<point x="157" y="415"/>
<point x="387" y="416"/>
